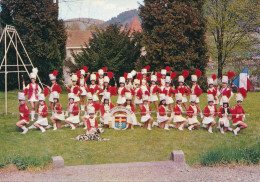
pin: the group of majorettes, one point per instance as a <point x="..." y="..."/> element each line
<point x="139" y="92"/>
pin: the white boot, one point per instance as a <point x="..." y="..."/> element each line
<point x="230" y="129"/>
<point x="82" y="107"/>
<point x="190" y="127"/>
<point x="172" y="115"/>
<point x="42" y="129"/>
<point x="210" y="129"/>
<point x="32" y="127"/>
<point x="154" y="124"/>
<point x="149" y="127"/>
<point x="201" y="115"/>
<point x="24" y="130"/>
<point x="81" y="124"/>
<point x="204" y="126"/>
<point x="236" y="130"/>
<point x="166" y="127"/>
<point x="48" y="127"/>
<point x="54" y="127"/>
<point x="221" y="130"/>
<point x="32" y="115"/>
<point x="181" y="127"/>
<point x="72" y="126"/>
<point x="171" y="125"/>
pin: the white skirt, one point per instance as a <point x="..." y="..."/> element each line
<point x="42" y="121"/>
<point x="169" y="100"/>
<point x="193" y="120"/>
<point x="153" y="98"/>
<point x="59" y="116"/>
<point x="184" y="99"/>
<point x="107" y="118"/>
<point x="161" y="119"/>
<point x="73" y="119"/>
<point x="132" y="119"/>
<point x="145" y="118"/>
<point x="197" y="100"/>
<point x="216" y="101"/>
<point x="51" y="97"/>
<point x="95" y="98"/>
<point x="84" y="92"/>
<point x="76" y="99"/>
<point x="237" y="123"/>
<point x="120" y="100"/>
<point x="137" y="101"/>
<point x="33" y="98"/>
<point x="225" y="121"/>
<point x="178" y="118"/>
<point x="208" y="120"/>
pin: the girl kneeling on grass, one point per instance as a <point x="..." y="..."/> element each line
<point x="73" y="110"/>
<point x="192" y="113"/>
<point x="128" y="104"/>
<point x="42" y="112"/>
<point x="238" y="113"/>
<point x="162" y="117"/>
<point x="24" y="113"/>
<point x="210" y="112"/>
<point x="58" y="115"/>
<point x="91" y="121"/>
<point x="146" y="113"/>
<point x="178" y="118"/>
<point x="223" y="115"/>
<point x="105" y="109"/>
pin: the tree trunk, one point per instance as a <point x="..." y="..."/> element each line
<point x="220" y="66"/>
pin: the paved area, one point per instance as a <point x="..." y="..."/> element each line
<point x="142" y="171"/>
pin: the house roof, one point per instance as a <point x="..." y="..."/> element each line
<point x="135" y="26"/>
<point x="78" y="38"/>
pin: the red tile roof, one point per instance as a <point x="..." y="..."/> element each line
<point x="78" y="38"/>
<point x="135" y="26"/>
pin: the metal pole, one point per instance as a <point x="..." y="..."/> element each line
<point x="17" y="60"/>
<point x="5" y="77"/>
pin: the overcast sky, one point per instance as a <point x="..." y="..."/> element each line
<point x="98" y="9"/>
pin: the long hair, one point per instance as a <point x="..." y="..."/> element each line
<point x="162" y="103"/>
<point x="125" y="104"/>
<point x="105" y="100"/>
<point x="54" y="103"/>
<point x="228" y="109"/>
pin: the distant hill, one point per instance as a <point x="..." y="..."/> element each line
<point x="125" y="17"/>
<point x="82" y="23"/>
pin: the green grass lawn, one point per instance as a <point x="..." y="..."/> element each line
<point x="138" y="145"/>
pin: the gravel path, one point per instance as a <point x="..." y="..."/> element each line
<point x="143" y="171"/>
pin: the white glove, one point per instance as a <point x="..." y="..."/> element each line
<point x="237" y="116"/>
<point x="21" y="114"/>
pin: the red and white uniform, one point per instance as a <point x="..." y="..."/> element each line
<point x="100" y="84"/>
<point x="54" y="87"/>
<point x="169" y="92"/>
<point x="223" y="115"/>
<point x="42" y="112"/>
<point x="132" y="118"/>
<point x="210" y="112"/>
<point x="162" y="116"/>
<point x="94" y="90"/>
<point x="227" y="92"/>
<point x="145" y="79"/>
<point x="162" y="82"/>
<point x="154" y="89"/>
<point x="92" y="123"/>
<point x="89" y="106"/>
<point x="183" y="89"/>
<point x="238" y="115"/>
<point x="178" y="113"/>
<point x="129" y="86"/>
<point x="74" y="113"/>
<point x="58" y="113"/>
<point x="192" y="113"/>
<point x="121" y="95"/>
<point x="138" y="93"/>
<point x="194" y="91"/>
<point x="77" y="92"/>
<point x="24" y="113"/>
<point x="83" y="85"/>
<point x="145" y="113"/>
<point x="32" y="90"/>
<point x="105" y="109"/>
<point x="215" y="92"/>
<point x="109" y="89"/>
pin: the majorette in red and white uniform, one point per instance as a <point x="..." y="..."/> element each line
<point x="224" y="113"/>
<point x="105" y="109"/>
<point x="162" y="115"/>
<point x="143" y="75"/>
<point x="225" y="91"/>
<point x="57" y="109"/>
<point x="82" y="81"/>
<point x="195" y="88"/>
<point x="42" y="112"/>
<point x="108" y="88"/>
<point x="210" y="112"/>
<point x="91" y="105"/>
<point x="121" y="92"/>
<point x="213" y="90"/>
<point x="129" y="76"/>
<point x="178" y="109"/>
<point x="183" y="89"/>
<point x="168" y="91"/>
<point x="54" y="87"/>
<point x="132" y="118"/>
<point x="238" y="113"/>
<point x="93" y="88"/>
<point x="100" y="79"/>
<point x="73" y="110"/>
<point x="162" y="81"/>
<point x="154" y="89"/>
<point x="92" y="121"/>
<point x="193" y="111"/>
<point x="32" y="89"/>
<point x="75" y="89"/>
<point x="137" y="92"/>
<point x="23" y="109"/>
<point x="145" y="110"/>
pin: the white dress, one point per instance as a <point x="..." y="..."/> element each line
<point x="179" y="118"/>
<point x="137" y="100"/>
<point x="193" y="93"/>
<point x="120" y="99"/>
<point x="129" y="86"/>
<point x="76" y="98"/>
<point x="101" y="84"/>
<point x="86" y="114"/>
<point x="208" y="120"/>
<point x="33" y="97"/>
<point x="82" y="87"/>
<point x="95" y="97"/>
<point x="132" y="118"/>
<point x="169" y="99"/>
<point x="73" y="119"/>
<point x="162" y="84"/>
<point x="153" y="96"/>
<point x="107" y="115"/>
<point x="42" y="121"/>
<point x="161" y="119"/>
<point x="194" y="119"/>
<point x="146" y="117"/>
<point x="224" y="119"/>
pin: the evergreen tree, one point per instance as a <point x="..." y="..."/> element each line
<point x="112" y="48"/>
<point x="43" y="35"/>
<point x="174" y="34"/>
